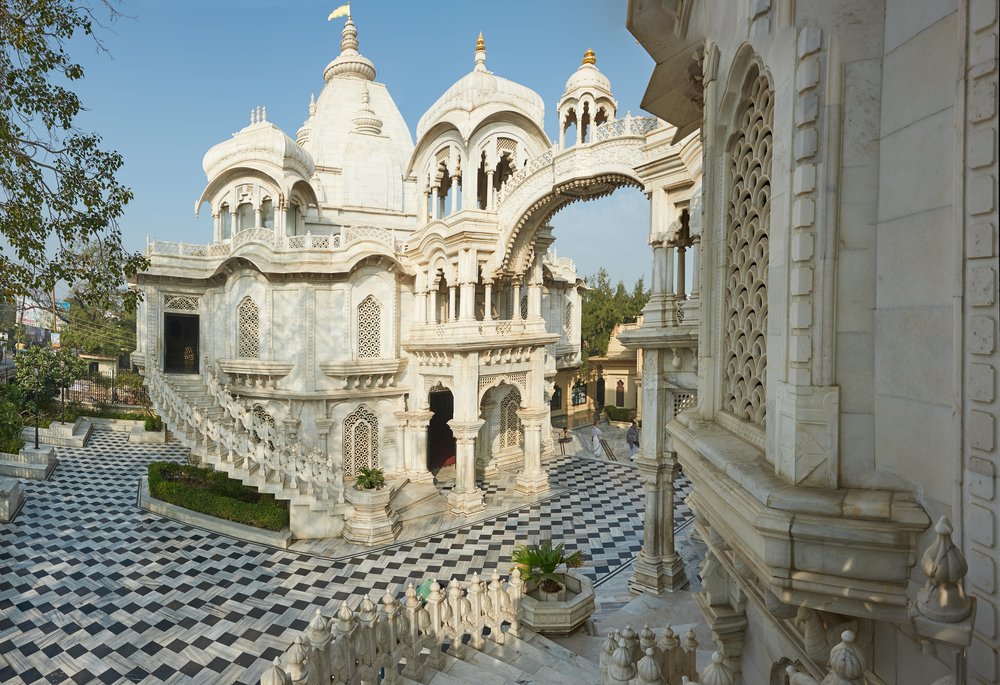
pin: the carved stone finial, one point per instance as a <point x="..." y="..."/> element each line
<point x="480" y="53"/>
<point x="589" y="57"/>
<point x="275" y="675"/>
<point x="312" y="104"/>
<point x="943" y="597"/>
<point x="847" y="662"/>
<point x="717" y="672"/>
<point x="648" y="669"/>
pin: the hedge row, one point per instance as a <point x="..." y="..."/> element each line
<point x="618" y="413"/>
<point x="215" y="494"/>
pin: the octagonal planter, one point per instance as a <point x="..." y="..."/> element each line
<point x="545" y="613"/>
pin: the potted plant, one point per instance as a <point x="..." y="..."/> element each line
<point x="540" y="563"/>
<point x="370" y="479"/>
<point x="554" y="602"/>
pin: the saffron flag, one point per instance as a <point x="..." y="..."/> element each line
<point x="342" y="11"/>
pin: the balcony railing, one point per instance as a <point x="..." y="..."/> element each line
<point x="278" y="243"/>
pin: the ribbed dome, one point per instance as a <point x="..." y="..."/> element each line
<point x="260" y="141"/>
<point x="356" y="131"/>
<point x="588" y="77"/>
<point x="481" y="87"/>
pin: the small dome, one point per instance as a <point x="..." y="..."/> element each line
<point x="588" y="77"/>
<point x="261" y="141"/>
<point x="479" y="88"/>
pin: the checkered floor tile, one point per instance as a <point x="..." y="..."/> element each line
<point x="95" y="590"/>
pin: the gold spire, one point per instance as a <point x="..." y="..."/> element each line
<point x="589" y="57"/>
<point x="480" y="43"/>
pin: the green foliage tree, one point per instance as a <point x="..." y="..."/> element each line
<point x="11" y="439"/>
<point x="604" y="307"/>
<point x="99" y="322"/>
<point x="57" y="186"/>
<point x="34" y="376"/>
<point x="65" y="368"/>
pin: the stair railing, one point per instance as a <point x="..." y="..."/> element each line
<point x="245" y="436"/>
<point x="371" y="643"/>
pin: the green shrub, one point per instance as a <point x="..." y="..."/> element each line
<point x="11" y="440"/>
<point x="618" y="413"/>
<point x="540" y="561"/>
<point x="370" y="479"/>
<point x="213" y="493"/>
<point x="154" y="423"/>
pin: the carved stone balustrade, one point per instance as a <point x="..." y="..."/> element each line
<point x="255" y="373"/>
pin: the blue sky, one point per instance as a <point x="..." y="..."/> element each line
<point x="182" y="75"/>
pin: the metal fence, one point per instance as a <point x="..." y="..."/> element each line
<point x="112" y="388"/>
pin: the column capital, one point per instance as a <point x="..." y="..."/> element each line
<point x="323" y="425"/>
<point x="465" y="431"/>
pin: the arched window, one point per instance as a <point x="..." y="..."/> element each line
<point x="511" y="433"/>
<point x="360" y="441"/>
<point x="244" y="217"/>
<point x="746" y="251"/>
<point x="227" y="222"/>
<point x="555" y="404"/>
<point x="248" y="329"/>
<point x="267" y="214"/>
<point x="369" y="329"/>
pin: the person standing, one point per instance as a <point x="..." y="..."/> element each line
<point x="632" y="438"/>
<point x="596" y="439"/>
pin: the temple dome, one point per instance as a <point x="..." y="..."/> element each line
<point x="260" y="142"/>
<point x="356" y="132"/>
<point x="481" y="89"/>
<point x="588" y="77"/>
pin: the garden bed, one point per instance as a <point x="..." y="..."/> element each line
<point x="214" y="493"/>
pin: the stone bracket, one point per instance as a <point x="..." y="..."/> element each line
<point x="806" y="434"/>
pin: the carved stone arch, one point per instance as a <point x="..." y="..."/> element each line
<point x="362" y="440"/>
<point x="248" y="329"/>
<point x="492" y="382"/>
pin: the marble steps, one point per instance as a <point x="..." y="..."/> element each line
<point x="534" y="660"/>
<point x="28" y="464"/>
<point x="418" y="501"/>
<point x="537" y="649"/>
<point x="192" y="390"/>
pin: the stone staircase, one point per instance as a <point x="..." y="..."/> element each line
<point x="530" y="659"/>
<point x="197" y="419"/>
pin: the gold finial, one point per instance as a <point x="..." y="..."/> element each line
<point x="480" y="43"/>
<point x="589" y="57"/>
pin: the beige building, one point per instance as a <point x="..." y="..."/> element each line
<point x="845" y="329"/>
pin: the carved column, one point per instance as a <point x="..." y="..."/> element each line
<point x="465" y="498"/>
<point x="323" y="429"/>
<point x="416" y="469"/>
<point x="658" y="567"/>
<point x="435" y="205"/>
<point x="490" y="195"/>
<point x="451" y="303"/>
<point x="532" y="479"/>
<point x="453" y="191"/>
<point x="516" y="296"/>
<point x="488" y="313"/>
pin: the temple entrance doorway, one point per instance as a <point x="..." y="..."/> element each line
<point x="440" y="440"/>
<point x="180" y="343"/>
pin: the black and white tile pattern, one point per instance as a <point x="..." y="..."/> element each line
<point x="95" y="590"/>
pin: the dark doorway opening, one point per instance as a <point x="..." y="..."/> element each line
<point x="440" y="439"/>
<point x="180" y="343"/>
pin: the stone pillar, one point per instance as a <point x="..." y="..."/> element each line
<point x="562" y="134"/>
<point x="423" y="207"/>
<point x="217" y="227"/>
<point x="465" y="498"/>
<point x="435" y="205"/>
<point x="658" y="568"/>
<point x="323" y="430"/>
<point x="416" y="469"/>
<point x="532" y="479"/>
<point x="420" y="306"/>
<point x="256" y="217"/>
<point x="695" y="268"/>
<point x="490" y="197"/>
<point x="453" y="191"/>
<point x="488" y="313"/>
<point x="451" y="303"/>
<point x="467" y="302"/>
<point x="579" y="130"/>
<point x="681" y="274"/>
<point x="516" y="300"/>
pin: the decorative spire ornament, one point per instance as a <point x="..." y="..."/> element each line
<point x="589" y="57"/>
<point x="480" y="53"/>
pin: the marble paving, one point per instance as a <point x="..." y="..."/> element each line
<point x="95" y="590"/>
